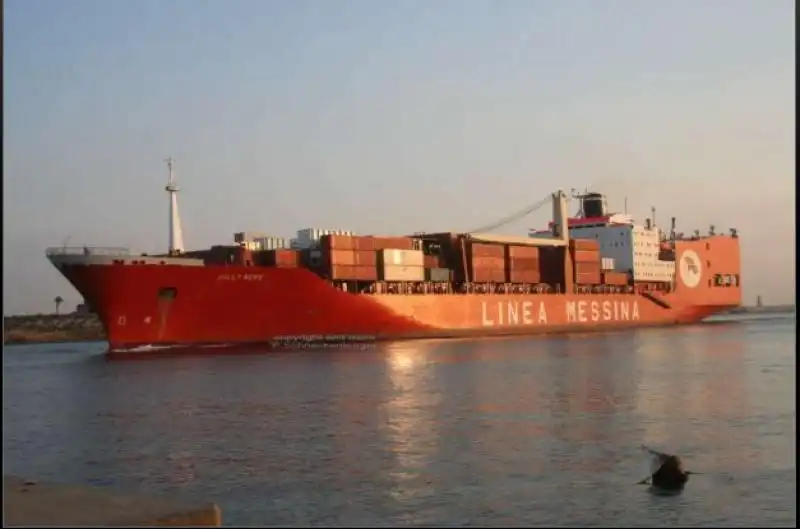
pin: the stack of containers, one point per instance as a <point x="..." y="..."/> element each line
<point x="585" y="254"/>
<point x="342" y="258"/>
<point x="401" y="265"/>
<point x="486" y="263"/>
<point x="522" y="264"/>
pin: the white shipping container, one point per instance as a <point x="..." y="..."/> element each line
<point x="607" y="263"/>
<point x="392" y="257"/>
<point x="403" y="273"/>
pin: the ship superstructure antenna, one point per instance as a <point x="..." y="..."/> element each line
<point x="175" y="232"/>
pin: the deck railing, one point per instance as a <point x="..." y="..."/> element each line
<point x="86" y="250"/>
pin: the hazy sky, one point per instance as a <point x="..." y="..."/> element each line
<point x="390" y="116"/>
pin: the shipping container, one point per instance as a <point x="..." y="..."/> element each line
<point x="395" y="257"/>
<point x="488" y="275"/>
<point x="396" y="243"/>
<point x="367" y="258"/>
<point x="584" y="244"/>
<point x="364" y="243"/>
<point x="336" y="242"/>
<point x="438" y="274"/>
<point x="352" y="273"/>
<point x="607" y="263"/>
<point x="366" y="273"/>
<point x="525" y="276"/>
<point x="402" y="273"/>
<point x="431" y="261"/>
<point x="282" y="258"/>
<point x="488" y="262"/>
<point x="486" y="250"/>
<point x="339" y="257"/>
<point x="586" y="268"/>
<point x="523" y="263"/>
<point x="523" y="252"/>
<point x="615" y="278"/>
<point x="586" y="256"/>
<point x="588" y="278"/>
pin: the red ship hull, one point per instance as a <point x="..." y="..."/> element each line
<point x="228" y="305"/>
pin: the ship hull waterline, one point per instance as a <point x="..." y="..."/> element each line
<point x="230" y="306"/>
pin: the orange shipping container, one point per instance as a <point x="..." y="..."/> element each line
<point x="525" y="276"/>
<point x="592" y="268"/>
<point x="588" y="279"/>
<point x="530" y="252"/>
<point x="584" y="244"/>
<point x="364" y="243"/>
<point x="340" y="257"/>
<point x="431" y="261"/>
<point x="488" y="275"/>
<point x="523" y="263"/>
<point x="336" y="242"/>
<point x="488" y="262"/>
<point x="282" y="258"/>
<point x="615" y="278"/>
<point x="486" y="250"/>
<point x="365" y="258"/>
<point x="392" y="243"/>
<point x="350" y="272"/>
<point x="586" y="256"/>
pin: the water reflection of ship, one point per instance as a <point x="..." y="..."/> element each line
<point x="411" y="427"/>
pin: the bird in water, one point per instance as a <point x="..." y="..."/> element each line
<point x="666" y="472"/>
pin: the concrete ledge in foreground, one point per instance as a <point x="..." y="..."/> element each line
<point x="31" y="503"/>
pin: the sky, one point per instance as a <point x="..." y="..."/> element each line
<point x="390" y="117"/>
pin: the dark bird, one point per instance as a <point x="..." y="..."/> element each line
<point x="666" y="472"/>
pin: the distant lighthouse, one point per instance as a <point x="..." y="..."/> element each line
<point x="175" y="232"/>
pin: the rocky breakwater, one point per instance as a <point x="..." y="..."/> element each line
<point x="46" y="328"/>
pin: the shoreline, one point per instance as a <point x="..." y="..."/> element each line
<point x="52" y="328"/>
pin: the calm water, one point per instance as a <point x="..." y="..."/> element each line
<point x="488" y="433"/>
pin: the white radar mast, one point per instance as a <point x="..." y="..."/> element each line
<point x="175" y="233"/>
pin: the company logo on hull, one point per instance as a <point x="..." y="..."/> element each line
<point x="691" y="270"/>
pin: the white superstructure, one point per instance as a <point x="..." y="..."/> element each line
<point x="624" y="246"/>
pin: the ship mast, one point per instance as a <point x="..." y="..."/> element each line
<point x="175" y="233"/>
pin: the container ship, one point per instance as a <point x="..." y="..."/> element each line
<point x="595" y="270"/>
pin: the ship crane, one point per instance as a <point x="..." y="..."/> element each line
<point x="560" y="231"/>
<point x="514" y="217"/>
<point x="175" y="232"/>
